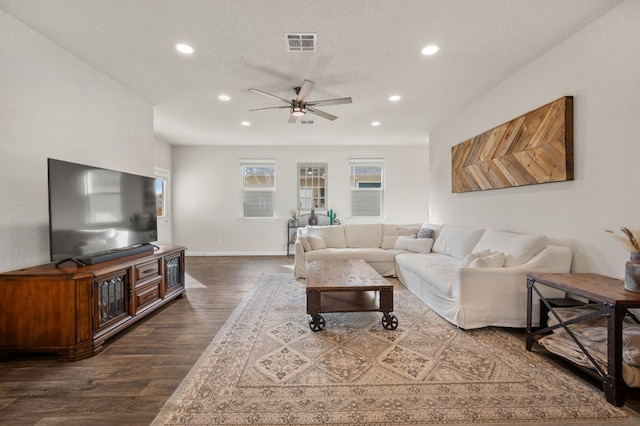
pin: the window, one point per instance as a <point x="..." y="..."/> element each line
<point x="367" y="187"/>
<point x="258" y="188"/>
<point x="161" y="185"/>
<point x="312" y="186"/>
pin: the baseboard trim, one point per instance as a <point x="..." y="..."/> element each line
<point x="235" y="253"/>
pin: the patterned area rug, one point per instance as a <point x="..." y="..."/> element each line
<point x="267" y="367"/>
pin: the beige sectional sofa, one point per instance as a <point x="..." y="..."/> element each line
<point x="471" y="277"/>
<point x="373" y="242"/>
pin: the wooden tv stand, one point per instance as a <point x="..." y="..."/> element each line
<point x="72" y="310"/>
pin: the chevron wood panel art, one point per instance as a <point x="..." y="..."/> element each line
<point x="536" y="147"/>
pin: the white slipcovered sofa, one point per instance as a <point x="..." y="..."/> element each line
<point x="373" y="242"/>
<point x="471" y="277"/>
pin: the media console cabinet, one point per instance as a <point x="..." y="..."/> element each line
<point x="72" y="310"/>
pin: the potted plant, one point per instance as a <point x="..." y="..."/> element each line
<point x="631" y="241"/>
<point x="295" y="216"/>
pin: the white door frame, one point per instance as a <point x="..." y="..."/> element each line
<point x="165" y="235"/>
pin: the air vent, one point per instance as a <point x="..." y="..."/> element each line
<point x="307" y="121"/>
<point x="301" y="42"/>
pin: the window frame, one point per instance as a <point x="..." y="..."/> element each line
<point x="369" y="188"/>
<point x="320" y="195"/>
<point x="268" y="188"/>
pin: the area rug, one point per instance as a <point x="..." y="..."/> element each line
<point x="266" y="366"/>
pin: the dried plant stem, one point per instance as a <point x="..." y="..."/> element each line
<point x="632" y="240"/>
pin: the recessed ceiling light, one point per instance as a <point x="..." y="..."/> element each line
<point x="224" y="97"/>
<point x="246" y="123"/>
<point x="430" y="50"/>
<point x="375" y="123"/>
<point x="184" y="48"/>
<point x="394" y="98"/>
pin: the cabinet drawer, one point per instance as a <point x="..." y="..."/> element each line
<point x="147" y="294"/>
<point x="147" y="270"/>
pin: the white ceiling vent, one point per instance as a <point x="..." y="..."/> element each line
<point x="307" y="121"/>
<point x="301" y="42"/>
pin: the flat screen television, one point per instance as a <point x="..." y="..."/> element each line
<point x="98" y="214"/>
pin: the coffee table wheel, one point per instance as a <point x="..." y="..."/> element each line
<point x="389" y="321"/>
<point x="316" y="323"/>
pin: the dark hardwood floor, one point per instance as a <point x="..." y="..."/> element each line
<point x="138" y="371"/>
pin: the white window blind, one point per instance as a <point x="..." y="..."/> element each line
<point x="258" y="188"/>
<point x="367" y="187"/>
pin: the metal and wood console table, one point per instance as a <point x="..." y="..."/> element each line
<point x="613" y="300"/>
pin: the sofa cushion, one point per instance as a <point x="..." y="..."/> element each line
<point x="316" y="243"/>
<point x="420" y="245"/>
<point x="494" y="260"/>
<point x="361" y="235"/>
<point x="402" y="242"/>
<point x="333" y="236"/>
<point x="407" y="231"/>
<point x="457" y="241"/>
<point x="437" y="269"/>
<point x="369" y="255"/>
<point x="518" y="248"/>
<point x="306" y="245"/>
<point x="389" y="241"/>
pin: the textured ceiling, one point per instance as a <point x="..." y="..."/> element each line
<point x="367" y="49"/>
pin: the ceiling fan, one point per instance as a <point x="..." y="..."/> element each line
<point x="300" y="106"/>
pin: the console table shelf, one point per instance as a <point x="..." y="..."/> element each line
<point x="613" y="301"/>
<point x="72" y="310"/>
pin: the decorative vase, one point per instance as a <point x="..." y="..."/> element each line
<point x="295" y="223"/>
<point x="313" y="219"/>
<point x="632" y="276"/>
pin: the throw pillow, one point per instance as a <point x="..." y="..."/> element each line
<point x="421" y="245"/>
<point x="402" y="243"/>
<point x="494" y="260"/>
<point x="389" y="241"/>
<point x="466" y="262"/>
<point x="518" y="248"/>
<point x="305" y="243"/>
<point x="406" y="231"/>
<point x="317" y="243"/>
<point x="333" y="236"/>
<point x="426" y="233"/>
<point x="457" y="241"/>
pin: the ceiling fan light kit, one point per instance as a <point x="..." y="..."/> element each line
<point x="299" y="106"/>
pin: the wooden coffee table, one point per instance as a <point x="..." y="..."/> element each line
<point x="347" y="286"/>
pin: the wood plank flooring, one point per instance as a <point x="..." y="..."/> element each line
<point x="139" y="370"/>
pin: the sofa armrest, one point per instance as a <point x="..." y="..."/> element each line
<point x="550" y="259"/>
<point x="498" y="288"/>
<point x="299" y="267"/>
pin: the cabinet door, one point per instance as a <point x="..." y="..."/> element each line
<point x="174" y="273"/>
<point x="113" y="300"/>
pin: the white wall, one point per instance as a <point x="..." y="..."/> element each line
<point x="54" y="105"/>
<point x="162" y="155"/>
<point x="207" y="204"/>
<point x="600" y="67"/>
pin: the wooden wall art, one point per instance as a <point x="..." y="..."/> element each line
<point x="536" y="147"/>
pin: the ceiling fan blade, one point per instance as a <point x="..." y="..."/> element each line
<point x="260" y="109"/>
<point x="307" y="85"/>
<point x="325" y="102"/>
<point x="287" y="101"/>
<point x="292" y="118"/>
<point x="321" y="114"/>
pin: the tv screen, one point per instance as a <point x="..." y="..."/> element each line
<point x="95" y="211"/>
